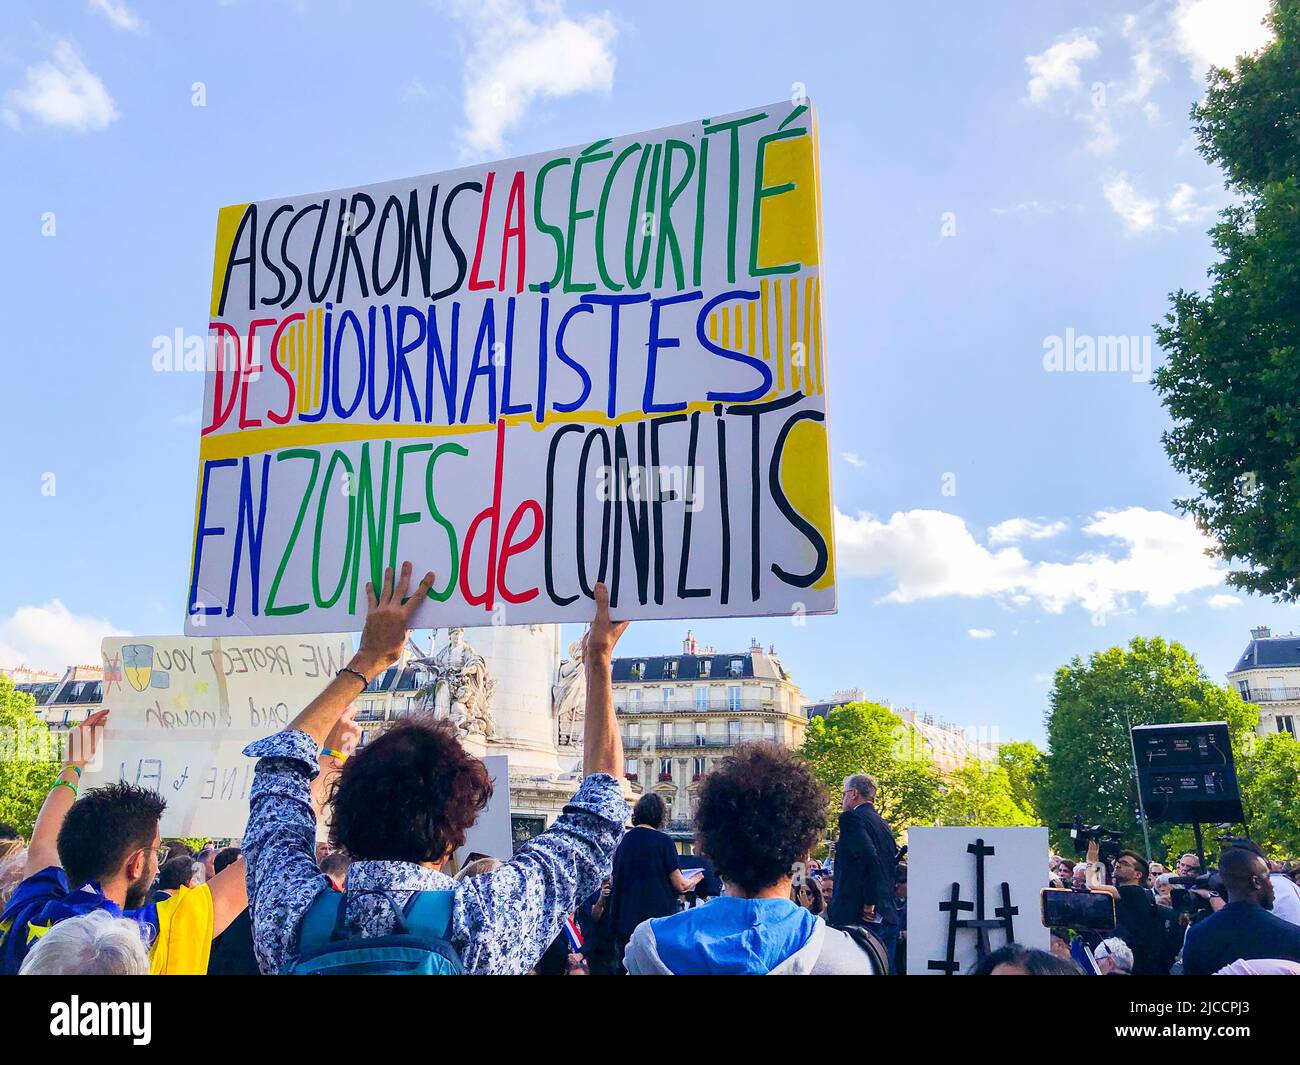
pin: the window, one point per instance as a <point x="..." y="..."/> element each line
<point x="706" y="664"/>
<point x="665" y="769"/>
<point x="769" y="694"/>
<point x="701" y="733"/>
<point x="737" y="667"/>
<point x="672" y="668"/>
<point x="638" y="670"/>
<point x="733" y="696"/>
<point x="769" y="730"/>
<point x="733" y="731"/>
<point x="701" y="697"/>
<point x="670" y="694"/>
<point x="629" y="767"/>
<point x="1286" y="723"/>
<point x="699" y="767"/>
<point x="636" y="695"/>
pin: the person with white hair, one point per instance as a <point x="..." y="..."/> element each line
<point x="94" y="944"/>
<point x="1114" y="957"/>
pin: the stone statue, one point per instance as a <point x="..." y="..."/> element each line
<point x="568" y="696"/>
<point x="459" y="686"/>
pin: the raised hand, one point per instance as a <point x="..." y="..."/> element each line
<point x="600" y="639"/>
<point x="388" y="617"/>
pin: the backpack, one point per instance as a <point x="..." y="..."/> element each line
<point x="871" y="945"/>
<point x="418" y="945"/>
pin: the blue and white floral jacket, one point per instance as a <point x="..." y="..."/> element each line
<point x="502" y="921"/>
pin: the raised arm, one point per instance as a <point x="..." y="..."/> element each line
<point x="602" y="749"/>
<point x="229" y="896"/>
<point x="83" y="745"/>
<point x="382" y="639"/>
<point x="503" y="921"/>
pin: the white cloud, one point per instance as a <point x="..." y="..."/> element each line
<point x="980" y="634"/>
<point x="1149" y="556"/>
<point x="1138" y="211"/>
<point x="1185" y="205"/>
<point x="121" y="16"/>
<point x="51" y="637"/>
<point x="1224" y="601"/>
<point x="63" y="93"/>
<point x="1057" y="69"/>
<point x="853" y="459"/>
<point x="1214" y="32"/>
<point x="520" y="52"/>
<point x="1013" y="529"/>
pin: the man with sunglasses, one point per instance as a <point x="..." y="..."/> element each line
<point x="102" y="852"/>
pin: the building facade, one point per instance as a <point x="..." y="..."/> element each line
<point x="678" y="714"/>
<point x="65" y="701"/>
<point x="1268" y="675"/>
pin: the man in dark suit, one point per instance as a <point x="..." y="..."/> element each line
<point x="866" y="862"/>
<point x="1244" y="928"/>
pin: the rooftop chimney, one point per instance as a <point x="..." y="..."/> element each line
<point x="1261" y="632"/>
<point x="688" y="644"/>
<point x="755" y="648"/>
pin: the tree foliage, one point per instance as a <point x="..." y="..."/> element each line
<point x="1232" y="375"/>
<point x="870" y="738"/>
<point x="1089" y="761"/>
<point x="1269" y="775"/>
<point x="28" y="765"/>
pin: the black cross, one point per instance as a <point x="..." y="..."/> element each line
<point x="952" y="907"/>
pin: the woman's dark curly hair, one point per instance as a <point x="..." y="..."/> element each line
<point x="760" y="810"/>
<point x="410" y="796"/>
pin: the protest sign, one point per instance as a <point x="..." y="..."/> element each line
<point x="183" y="709"/>
<point x="601" y="363"/>
<point x="946" y="869"/>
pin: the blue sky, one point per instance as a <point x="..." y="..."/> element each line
<point x="994" y="176"/>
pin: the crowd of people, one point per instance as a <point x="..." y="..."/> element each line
<point x="96" y="891"/>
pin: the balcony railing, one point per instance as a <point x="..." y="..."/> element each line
<point x="660" y="742"/>
<point x="689" y="706"/>
<point x="1271" y="695"/>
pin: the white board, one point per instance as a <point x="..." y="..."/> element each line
<point x="602" y="362"/>
<point x="183" y="709"/>
<point x="938" y="857"/>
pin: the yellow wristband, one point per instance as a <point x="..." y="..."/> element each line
<point x="330" y="752"/>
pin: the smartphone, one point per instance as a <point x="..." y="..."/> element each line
<point x="1077" y="909"/>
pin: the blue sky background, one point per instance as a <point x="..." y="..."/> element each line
<point x="980" y="194"/>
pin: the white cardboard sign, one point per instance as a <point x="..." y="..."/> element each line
<point x="938" y="858"/>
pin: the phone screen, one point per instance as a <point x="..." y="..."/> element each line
<point x="1077" y="909"/>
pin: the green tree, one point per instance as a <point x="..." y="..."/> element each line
<point x="866" y="737"/>
<point x="28" y="764"/>
<point x="1026" y="769"/>
<point x="982" y="795"/>
<point x="1269" y="776"/>
<point x="1093" y="704"/>
<point x="1232" y="372"/>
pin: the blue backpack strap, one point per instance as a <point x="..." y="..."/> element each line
<point x="321" y="920"/>
<point x="428" y="913"/>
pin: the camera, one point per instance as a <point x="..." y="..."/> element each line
<point x="1109" y="842"/>
<point x="1183" y="897"/>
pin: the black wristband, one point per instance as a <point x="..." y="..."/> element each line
<point x="360" y="676"/>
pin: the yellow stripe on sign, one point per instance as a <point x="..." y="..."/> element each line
<point x="316" y="346"/>
<point x="228" y="219"/>
<point x="780" y="340"/>
<point x="817" y="335"/>
<point x="796" y="356"/>
<point x="726" y="329"/>
<point x="810" y="381"/>
<point x="763" y="301"/>
<point x="752" y="315"/>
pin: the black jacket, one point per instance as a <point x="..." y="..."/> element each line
<point x="1141" y="925"/>
<point x="865" y="866"/>
<point x="1239" y="930"/>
